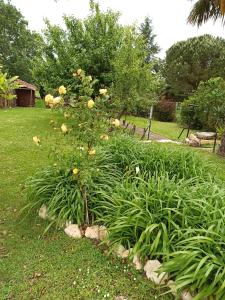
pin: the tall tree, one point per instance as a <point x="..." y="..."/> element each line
<point x="192" y="61"/>
<point x="17" y="43"/>
<point x="89" y="44"/>
<point x="152" y="47"/>
<point x="135" y="84"/>
<point x="202" y="11"/>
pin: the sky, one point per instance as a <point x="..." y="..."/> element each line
<point x="169" y="17"/>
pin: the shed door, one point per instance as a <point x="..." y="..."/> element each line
<point x="25" y="97"/>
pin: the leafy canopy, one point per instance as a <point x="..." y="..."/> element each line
<point x="17" y="44"/>
<point x="192" y="61"/>
<point x="209" y="104"/>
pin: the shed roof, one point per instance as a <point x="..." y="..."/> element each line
<point x="26" y="85"/>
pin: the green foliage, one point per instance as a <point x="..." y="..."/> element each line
<point x="66" y="193"/>
<point x="135" y="84"/>
<point x="7" y="85"/>
<point x="89" y="44"/>
<point x="26" y="256"/>
<point x="203" y="10"/>
<point x="151" y="46"/>
<point x="206" y="108"/>
<point x="18" y="45"/>
<point x="192" y="61"/>
<point x="165" y="110"/>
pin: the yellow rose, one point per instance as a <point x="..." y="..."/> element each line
<point x="116" y="123"/>
<point x="48" y="99"/>
<point x="62" y="90"/>
<point x="56" y="100"/>
<point x="92" y="152"/>
<point x="64" y="128"/>
<point x="90" y="104"/>
<point x="104" y="137"/>
<point x="36" y="140"/>
<point x="75" y="171"/>
<point x="103" y="92"/>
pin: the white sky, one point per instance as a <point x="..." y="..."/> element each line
<point x="168" y="16"/>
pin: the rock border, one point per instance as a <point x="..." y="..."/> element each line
<point x="100" y="233"/>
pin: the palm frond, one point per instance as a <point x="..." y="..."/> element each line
<point x="203" y="10"/>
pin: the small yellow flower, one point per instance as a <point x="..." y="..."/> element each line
<point x="104" y="137"/>
<point x="116" y="123"/>
<point x="49" y="99"/>
<point x="36" y="140"/>
<point x="79" y="71"/>
<point x="56" y="100"/>
<point x="66" y="115"/>
<point x="62" y="90"/>
<point x="90" y="104"/>
<point x="103" y="92"/>
<point x="75" y="171"/>
<point x="51" y="122"/>
<point x="92" y="152"/>
<point x="89" y="78"/>
<point x="64" y="128"/>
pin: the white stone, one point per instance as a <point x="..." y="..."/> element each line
<point x="186" y="296"/>
<point x="137" y="262"/>
<point x="92" y="232"/>
<point x="73" y="231"/>
<point x="43" y="212"/>
<point x="193" y="141"/>
<point x="103" y="233"/>
<point x="118" y="250"/>
<point x="151" y="268"/>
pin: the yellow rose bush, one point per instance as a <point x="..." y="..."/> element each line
<point x="80" y="165"/>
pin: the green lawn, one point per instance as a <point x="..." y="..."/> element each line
<point x="169" y="130"/>
<point x="53" y="266"/>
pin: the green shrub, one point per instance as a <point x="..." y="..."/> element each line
<point x="206" y="107"/>
<point x="128" y="153"/>
<point x="67" y="195"/>
<point x="163" y="202"/>
<point x="165" y="111"/>
<point x="179" y="222"/>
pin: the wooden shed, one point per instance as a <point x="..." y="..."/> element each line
<point x="25" y="95"/>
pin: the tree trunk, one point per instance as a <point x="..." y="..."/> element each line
<point x="221" y="150"/>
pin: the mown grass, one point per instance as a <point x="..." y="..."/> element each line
<point x="53" y="266"/>
<point x="169" y="130"/>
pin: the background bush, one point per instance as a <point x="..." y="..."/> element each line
<point x="165" y="110"/>
<point x="206" y="107"/>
